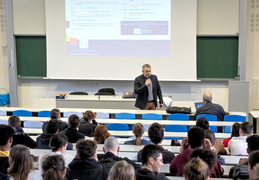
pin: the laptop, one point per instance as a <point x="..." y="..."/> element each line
<point x="198" y="105"/>
<point x="129" y="94"/>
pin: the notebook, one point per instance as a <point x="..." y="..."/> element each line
<point x="198" y="104"/>
<point x="129" y="94"/>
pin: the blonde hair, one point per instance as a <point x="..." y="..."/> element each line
<point x="121" y="170"/>
<point x="20" y="162"/>
<point x="196" y="169"/>
<point x="138" y="130"/>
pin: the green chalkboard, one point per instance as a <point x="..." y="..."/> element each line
<point x="31" y="56"/>
<point x="217" y="57"/>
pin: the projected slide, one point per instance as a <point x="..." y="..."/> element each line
<point x="118" y="28"/>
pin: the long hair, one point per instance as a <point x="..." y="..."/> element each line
<point x="100" y="134"/>
<point x="20" y="162"/>
<point x="53" y="168"/>
<point x="138" y="130"/>
<point x="235" y="130"/>
<point x="121" y="170"/>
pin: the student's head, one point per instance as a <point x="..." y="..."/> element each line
<point x="196" y="169"/>
<point x="73" y="121"/>
<point x="52" y="126"/>
<point x="121" y="170"/>
<point x="100" y="134"/>
<point x="209" y="140"/>
<point x="55" y="114"/>
<point x="246" y="128"/>
<point x="20" y="162"/>
<point x="6" y="136"/>
<point x="156" y="133"/>
<point x="86" y="149"/>
<point x="138" y="130"/>
<point x="195" y="137"/>
<point x="58" y="142"/>
<point x="202" y="122"/>
<point x="53" y="167"/>
<point x="89" y="115"/>
<point x="151" y="156"/>
<point x="252" y="143"/>
<point x="207" y="97"/>
<point x="146" y="70"/>
<point x="206" y="155"/>
<point x="14" y="121"/>
<point x="253" y="160"/>
<point x="235" y="130"/>
<point x="111" y="144"/>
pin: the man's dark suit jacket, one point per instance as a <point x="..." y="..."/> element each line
<point x="142" y="91"/>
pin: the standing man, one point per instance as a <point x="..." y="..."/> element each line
<point x="147" y="87"/>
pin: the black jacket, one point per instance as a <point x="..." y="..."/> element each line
<point x="73" y="135"/>
<point x="4" y="164"/>
<point x="108" y="159"/>
<point x="87" y="128"/>
<point x="145" y="174"/>
<point x="142" y="91"/>
<point x="42" y="141"/>
<point x="62" y="125"/>
<point x="86" y="169"/>
<point x="25" y="140"/>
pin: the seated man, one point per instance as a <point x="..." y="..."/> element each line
<point x="237" y="145"/>
<point x="253" y="161"/>
<point x="71" y="132"/>
<point x="111" y="149"/>
<point x="156" y="135"/>
<point x="55" y="115"/>
<point x="19" y="136"/>
<point x="43" y="139"/>
<point x="211" y="108"/>
<point x="6" y="139"/>
<point x="195" y="140"/>
<point x="152" y="160"/>
<point x="85" y="165"/>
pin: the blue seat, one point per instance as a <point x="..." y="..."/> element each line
<point x="234" y="118"/>
<point x="152" y="116"/>
<point x="44" y="113"/>
<point x="69" y="113"/>
<point x="103" y="115"/>
<point x="4" y="122"/>
<point x="118" y="127"/>
<point x="32" y="124"/>
<point x="22" y="113"/>
<point x="175" y="128"/>
<point x="125" y="115"/>
<point x="210" y="117"/>
<point x="182" y="117"/>
<point x="3" y="113"/>
<point x="213" y="129"/>
<point x="227" y="129"/>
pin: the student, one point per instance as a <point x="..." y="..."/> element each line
<point x="122" y="171"/>
<point x="85" y="165"/>
<point x="138" y="130"/>
<point x="100" y="134"/>
<point x="21" y="166"/>
<point x="196" y="169"/>
<point x="54" y="168"/>
<point x="253" y="161"/>
<point x="152" y="160"/>
<point x="88" y="123"/>
<point x="234" y="133"/>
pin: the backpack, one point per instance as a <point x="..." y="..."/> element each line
<point x="239" y="172"/>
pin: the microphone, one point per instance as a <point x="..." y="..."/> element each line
<point x="98" y="90"/>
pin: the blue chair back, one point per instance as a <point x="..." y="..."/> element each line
<point x="125" y="115"/>
<point x="32" y="124"/>
<point x="3" y="113"/>
<point x="176" y="128"/>
<point x="213" y="129"/>
<point x="69" y="113"/>
<point x="210" y="117"/>
<point x="22" y="113"/>
<point x="152" y="116"/>
<point x="227" y="129"/>
<point x="182" y="117"/>
<point x="118" y="127"/>
<point x="103" y="115"/>
<point x="44" y="113"/>
<point x="234" y="118"/>
<point x="4" y="122"/>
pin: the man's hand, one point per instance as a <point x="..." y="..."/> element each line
<point x="148" y="81"/>
<point x="161" y="105"/>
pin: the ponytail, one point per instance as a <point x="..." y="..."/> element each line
<point x="53" y="168"/>
<point x="53" y="173"/>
